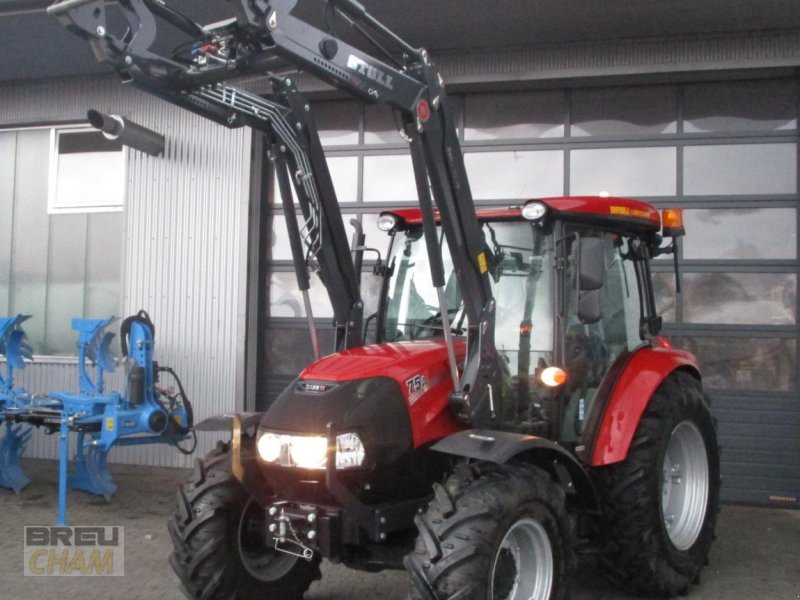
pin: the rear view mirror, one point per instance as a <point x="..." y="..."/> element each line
<point x="591" y="278"/>
<point x="591" y="264"/>
<point x="589" y="307"/>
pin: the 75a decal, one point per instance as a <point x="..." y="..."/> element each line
<point x="416" y="386"/>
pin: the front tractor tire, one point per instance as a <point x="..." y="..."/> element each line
<point x="500" y="534"/>
<point x="661" y="503"/>
<point x="219" y="541"/>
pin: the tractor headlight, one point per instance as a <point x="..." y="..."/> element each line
<point x="387" y="221"/>
<point x="534" y="211"/>
<point x="349" y="451"/>
<point x="270" y="447"/>
<point x="310" y="452"/>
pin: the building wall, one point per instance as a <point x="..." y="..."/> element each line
<point x="184" y="247"/>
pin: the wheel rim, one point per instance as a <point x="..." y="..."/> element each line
<point x="259" y="559"/>
<point x="523" y="566"/>
<point x="685" y="482"/>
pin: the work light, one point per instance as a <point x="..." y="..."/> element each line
<point x="387" y="222"/>
<point x="534" y="211"/>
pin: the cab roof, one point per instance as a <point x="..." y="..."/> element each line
<point x="623" y="213"/>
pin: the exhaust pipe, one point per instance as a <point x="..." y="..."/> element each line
<point x="127" y="132"/>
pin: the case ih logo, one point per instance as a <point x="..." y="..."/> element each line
<point x="416" y="386"/>
<point x="362" y="68"/>
<point x="314" y="388"/>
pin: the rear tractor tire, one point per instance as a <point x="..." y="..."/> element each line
<point x="661" y="503"/>
<point x="219" y="547"/>
<point x="502" y="534"/>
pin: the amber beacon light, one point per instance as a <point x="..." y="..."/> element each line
<point x="672" y="222"/>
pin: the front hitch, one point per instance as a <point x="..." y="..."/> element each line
<point x="288" y="525"/>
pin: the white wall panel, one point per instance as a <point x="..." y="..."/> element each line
<point x="183" y="251"/>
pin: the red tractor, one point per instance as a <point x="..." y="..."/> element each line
<point x="602" y="438"/>
<point x="518" y="406"/>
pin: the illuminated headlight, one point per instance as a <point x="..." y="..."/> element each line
<point x="349" y="451"/>
<point x="387" y="222"/>
<point x="270" y="447"/>
<point x="310" y="452"/>
<point x="534" y="211"/>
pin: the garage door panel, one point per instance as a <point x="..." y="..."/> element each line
<point x="759" y="417"/>
<point x="777" y="433"/>
<point x="786" y="457"/>
<point x="766" y="471"/>
<point x="744" y="494"/>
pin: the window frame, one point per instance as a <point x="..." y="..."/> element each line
<point x="54" y="207"/>
<point x="51" y="126"/>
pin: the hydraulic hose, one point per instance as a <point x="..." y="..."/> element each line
<point x="187" y="404"/>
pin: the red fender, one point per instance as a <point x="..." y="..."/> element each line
<point x="640" y="378"/>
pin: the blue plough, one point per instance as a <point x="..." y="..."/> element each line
<point x="144" y="414"/>
<point x="13" y="400"/>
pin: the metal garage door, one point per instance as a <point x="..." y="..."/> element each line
<point x="725" y="151"/>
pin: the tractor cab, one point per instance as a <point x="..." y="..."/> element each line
<point x="573" y="297"/>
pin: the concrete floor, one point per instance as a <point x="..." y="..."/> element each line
<point x="754" y="557"/>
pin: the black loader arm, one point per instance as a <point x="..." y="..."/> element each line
<point x="264" y="38"/>
<point x="196" y="82"/>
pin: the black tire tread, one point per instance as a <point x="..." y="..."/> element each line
<point x="209" y="505"/>
<point x="459" y="531"/>
<point x="639" y="558"/>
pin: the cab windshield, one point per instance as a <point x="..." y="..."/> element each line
<point x="521" y="269"/>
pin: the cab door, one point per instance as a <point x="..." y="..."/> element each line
<point x="601" y="316"/>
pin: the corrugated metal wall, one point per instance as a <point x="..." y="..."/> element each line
<point x="184" y="249"/>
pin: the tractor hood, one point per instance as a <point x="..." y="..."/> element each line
<point x="396" y="391"/>
<point x="398" y="360"/>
